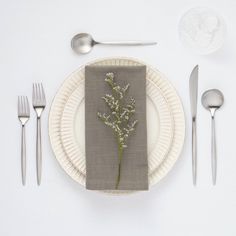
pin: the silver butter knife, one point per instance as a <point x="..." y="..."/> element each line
<point x="193" y="89"/>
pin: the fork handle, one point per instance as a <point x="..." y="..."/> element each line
<point x="39" y="151"/>
<point x="23" y="155"/>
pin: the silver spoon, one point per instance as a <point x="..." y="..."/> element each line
<point x="212" y="100"/>
<point x="83" y="43"/>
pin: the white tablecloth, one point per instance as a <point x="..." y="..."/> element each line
<point x="35" y="46"/>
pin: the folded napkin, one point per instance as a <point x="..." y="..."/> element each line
<point x="102" y="160"/>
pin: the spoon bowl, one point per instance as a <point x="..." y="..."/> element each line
<point x="82" y="43"/>
<point x="212" y="99"/>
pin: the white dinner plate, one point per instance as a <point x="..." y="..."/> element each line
<point x="165" y="123"/>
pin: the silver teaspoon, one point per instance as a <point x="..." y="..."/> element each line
<point x="83" y="43"/>
<point x="212" y="100"/>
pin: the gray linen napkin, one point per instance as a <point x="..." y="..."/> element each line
<point x="101" y="145"/>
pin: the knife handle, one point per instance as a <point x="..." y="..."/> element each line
<point x="194" y="150"/>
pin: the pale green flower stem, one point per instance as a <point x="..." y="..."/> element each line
<point x="120" y="156"/>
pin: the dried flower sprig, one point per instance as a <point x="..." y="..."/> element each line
<point x="119" y="119"/>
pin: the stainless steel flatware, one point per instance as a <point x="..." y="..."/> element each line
<point x="23" y="115"/>
<point x="193" y="89"/>
<point x="83" y="43"/>
<point x="39" y="103"/>
<point x="212" y="100"/>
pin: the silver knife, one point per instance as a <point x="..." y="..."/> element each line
<point x="193" y="89"/>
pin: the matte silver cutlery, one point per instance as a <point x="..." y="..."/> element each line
<point x="39" y="103"/>
<point x="193" y="89"/>
<point x="23" y="115"/>
<point x="212" y="100"/>
<point x="83" y="43"/>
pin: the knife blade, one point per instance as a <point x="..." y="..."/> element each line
<point x="193" y="90"/>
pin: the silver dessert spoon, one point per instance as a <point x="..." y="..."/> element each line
<point x="83" y="43"/>
<point x="212" y="100"/>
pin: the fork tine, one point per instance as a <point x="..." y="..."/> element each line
<point x="42" y="94"/>
<point x="27" y="106"/>
<point x="44" y="97"/>
<point x="34" y="94"/>
<point x="23" y="105"/>
<point x="41" y="91"/>
<point x="25" y="99"/>
<point x="18" y="105"/>
<point x="37" y="93"/>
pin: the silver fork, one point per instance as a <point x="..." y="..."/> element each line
<point x="23" y="115"/>
<point x="39" y="103"/>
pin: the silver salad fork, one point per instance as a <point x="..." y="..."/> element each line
<point x="23" y="115"/>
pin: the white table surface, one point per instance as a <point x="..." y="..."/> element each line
<point x="35" y="46"/>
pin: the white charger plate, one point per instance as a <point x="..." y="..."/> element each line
<point x="70" y="90"/>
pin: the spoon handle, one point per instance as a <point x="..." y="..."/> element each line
<point x="213" y="150"/>
<point x="128" y="43"/>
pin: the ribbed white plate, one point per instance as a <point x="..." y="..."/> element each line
<point x="74" y="81"/>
